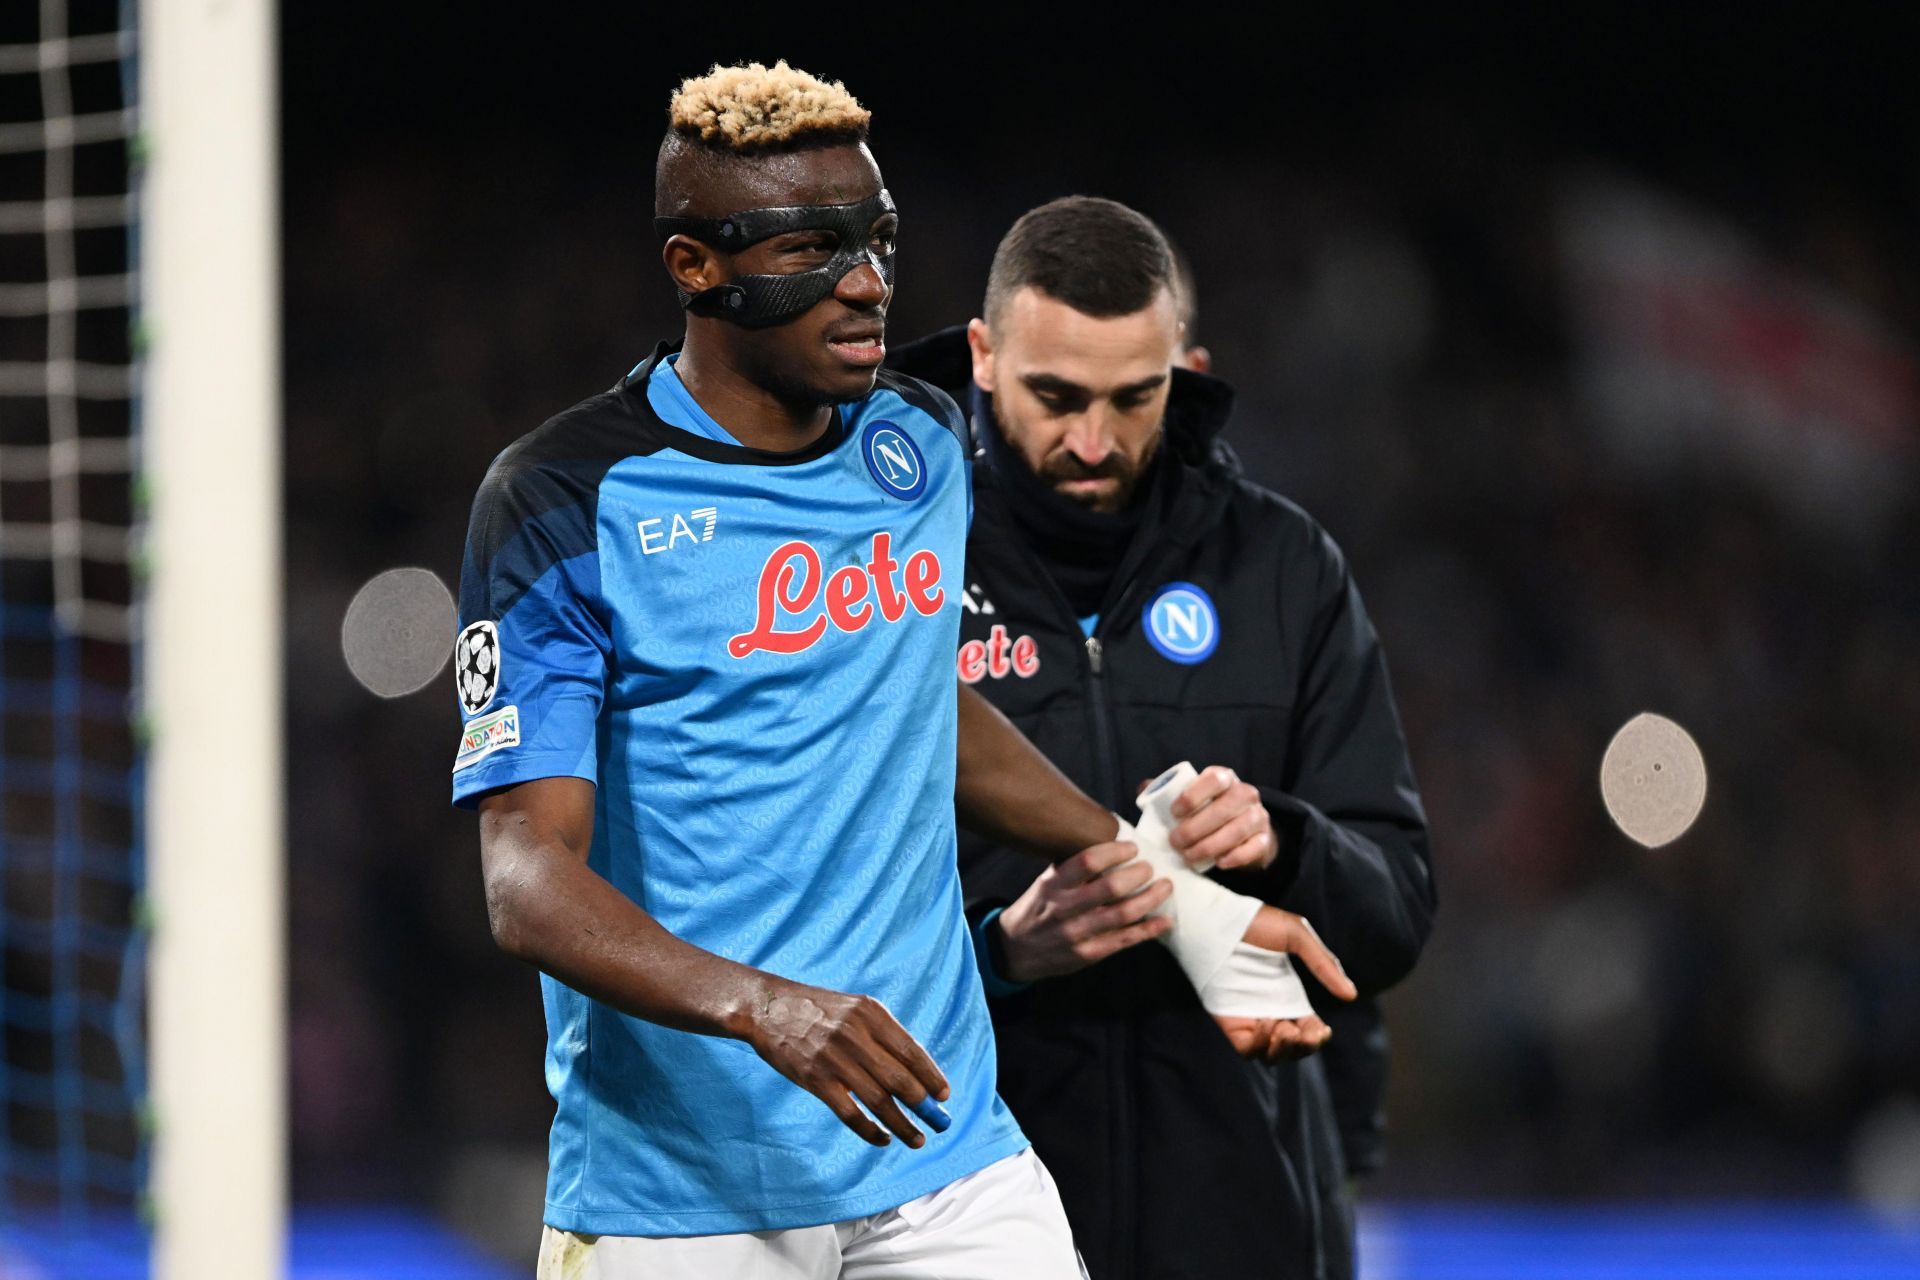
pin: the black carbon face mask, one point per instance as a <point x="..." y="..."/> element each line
<point x="757" y="302"/>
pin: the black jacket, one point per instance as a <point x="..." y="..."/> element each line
<point x="1175" y="1157"/>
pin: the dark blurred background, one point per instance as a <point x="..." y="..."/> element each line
<point x="1588" y="334"/>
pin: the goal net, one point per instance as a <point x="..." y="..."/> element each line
<point x="72" y="1055"/>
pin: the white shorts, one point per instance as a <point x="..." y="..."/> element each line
<point x="1003" y="1222"/>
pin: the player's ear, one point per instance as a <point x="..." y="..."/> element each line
<point x="1196" y="358"/>
<point x="980" y="343"/>
<point x="692" y="265"/>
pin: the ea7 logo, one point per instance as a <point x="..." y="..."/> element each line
<point x="664" y="533"/>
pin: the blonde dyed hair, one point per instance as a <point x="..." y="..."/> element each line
<point x="757" y="108"/>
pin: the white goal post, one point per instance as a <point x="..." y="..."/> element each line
<point x="210" y="280"/>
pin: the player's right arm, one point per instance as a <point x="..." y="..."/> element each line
<point x="532" y="665"/>
<point x="550" y="909"/>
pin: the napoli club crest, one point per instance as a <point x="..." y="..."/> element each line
<point x="1182" y="623"/>
<point x="894" y="461"/>
<point x="476" y="666"/>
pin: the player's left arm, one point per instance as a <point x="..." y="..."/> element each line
<point x="1005" y="790"/>
<point x="1341" y="837"/>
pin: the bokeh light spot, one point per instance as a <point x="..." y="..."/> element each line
<point x="398" y="632"/>
<point x="1653" y="780"/>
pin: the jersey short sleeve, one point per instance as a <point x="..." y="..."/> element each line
<point x="530" y="662"/>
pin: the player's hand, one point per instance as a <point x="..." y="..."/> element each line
<point x="1223" y="822"/>
<point x="1080" y="911"/>
<point x="1279" y="1039"/>
<point x="1278" y="930"/>
<point x="1275" y="1039"/>
<point x="839" y="1047"/>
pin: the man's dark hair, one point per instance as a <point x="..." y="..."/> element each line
<point x="1097" y="256"/>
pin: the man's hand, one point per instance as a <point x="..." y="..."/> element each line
<point x="1278" y="930"/>
<point x="1223" y="822"/>
<point x="1080" y="911"/>
<point x="1278" y="1039"/>
<point x="839" y="1047"/>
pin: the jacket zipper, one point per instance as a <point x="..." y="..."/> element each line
<point x="1122" y="1228"/>
<point x="1119" y="1035"/>
<point x="1123" y="1232"/>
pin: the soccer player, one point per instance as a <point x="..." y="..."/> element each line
<point x="1134" y="599"/>
<point x="717" y="748"/>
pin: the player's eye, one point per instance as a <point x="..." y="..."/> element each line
<point x="885" y="238"/>
<point x="811" y="243"/>
<point x="1127" y="404"/>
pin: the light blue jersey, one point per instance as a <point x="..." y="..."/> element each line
<point x="751" y="655"/>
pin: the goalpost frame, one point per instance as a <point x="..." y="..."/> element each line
<point x="215" y="809"/>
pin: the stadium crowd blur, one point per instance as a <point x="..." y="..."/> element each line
<point x="1432" y="303"/>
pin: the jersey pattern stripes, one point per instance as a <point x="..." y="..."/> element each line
<point x="750" y="654"/>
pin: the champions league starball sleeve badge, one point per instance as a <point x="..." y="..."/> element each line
<point x="476" y="666"/>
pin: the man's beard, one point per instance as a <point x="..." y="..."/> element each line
<point x="1064" y="466"/>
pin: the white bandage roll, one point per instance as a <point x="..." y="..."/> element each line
<point x="1233" y="979"/>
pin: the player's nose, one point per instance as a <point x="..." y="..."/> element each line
<point x="862" y="287"/>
